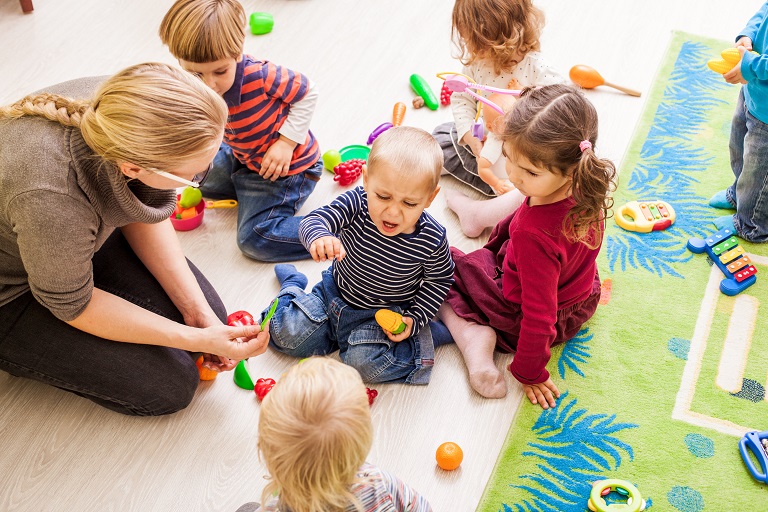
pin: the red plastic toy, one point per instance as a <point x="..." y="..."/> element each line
<point x="372" y="394"/>
<point x="239" y="318"/>
<point x="445" y="95"/>
<point x="348" y="172"/>
<point x="262" y="387"/>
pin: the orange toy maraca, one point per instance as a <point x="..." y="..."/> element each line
<point x="589" y="78"/>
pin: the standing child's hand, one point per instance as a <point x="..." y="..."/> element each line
<point x="277" y="160"/>
<point x="327" y="248"/>
<point x="745" y="42"/>
<point x="543" y="393"/>
<point x="408" y="321"/>
<point x="734" y="76"/>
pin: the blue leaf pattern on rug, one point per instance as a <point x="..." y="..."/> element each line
<point x="699" y="445"/>
<point x="574" y="449"/>
<point x="669" y="161"/>
<point x="751" y="390"/>
<point x="686" y="499"/>
<point x="679" y="347"/>
<point x="575" y="351"/>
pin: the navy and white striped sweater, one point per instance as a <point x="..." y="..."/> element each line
<point x="412" y="270"/>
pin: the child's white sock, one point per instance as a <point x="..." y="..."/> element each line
<point x="475" y="215"/>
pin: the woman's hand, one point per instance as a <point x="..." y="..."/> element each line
<point x="277" y="160"/>
<point x="232" y="344"/>
<point x="543" y="393"/>
<point x="408" y="321"/>
<point x="327" y="248"/>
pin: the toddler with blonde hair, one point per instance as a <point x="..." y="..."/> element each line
<point x="315" y="432"/>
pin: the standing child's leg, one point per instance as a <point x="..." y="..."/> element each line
<point x="475" y="215"/>
<point x="477" y="344"/>
<point x="267" y="226"/>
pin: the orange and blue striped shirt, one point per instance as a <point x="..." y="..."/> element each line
<point x="259" y="102"/>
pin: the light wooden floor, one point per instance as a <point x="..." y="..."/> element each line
<point x="60" y="452"/>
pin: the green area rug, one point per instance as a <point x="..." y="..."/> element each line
<point x="651" y="393"/>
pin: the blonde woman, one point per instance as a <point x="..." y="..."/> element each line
<point x="314" y="435"/>
<point x="96" y="296"/>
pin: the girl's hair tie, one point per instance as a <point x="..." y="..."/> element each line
<point x="584" y="145"/>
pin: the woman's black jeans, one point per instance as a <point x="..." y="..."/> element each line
<point x="142" y="380"/>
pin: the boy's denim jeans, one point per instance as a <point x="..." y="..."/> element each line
<point x="267" y="228"/>
<point x="320" y="322"/>
<point x="142" y="380"/>
<point x="749" y="161"/>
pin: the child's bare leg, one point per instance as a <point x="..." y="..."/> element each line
<point x="477" y="343"/>
<point x="475" y="215"/>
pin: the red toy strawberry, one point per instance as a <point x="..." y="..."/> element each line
<point x="445" y="95"/>
<point x="372" y="394"/>
<point x="348" y="172"/>
<point x="239" y="318"/>
<point x="262" y="387"/>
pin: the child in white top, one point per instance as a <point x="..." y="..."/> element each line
<point x="499" y="44"/>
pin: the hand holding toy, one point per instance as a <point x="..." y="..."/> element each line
<point x="390" y="321"/>
<point x="589" y="78"/>
<point x="730" y="57"/>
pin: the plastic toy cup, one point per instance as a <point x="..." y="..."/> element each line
<point x="192" y="222"/>
<point x="261" y="23"/>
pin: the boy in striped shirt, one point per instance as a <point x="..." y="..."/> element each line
<point x="387" y="252"/>
<point x="270" y="161"/>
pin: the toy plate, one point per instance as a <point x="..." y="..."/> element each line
<point x="354" y="151"/>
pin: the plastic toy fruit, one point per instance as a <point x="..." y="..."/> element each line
<point x="372" y="394"/>
<point x="445" y="95"/>
<point x="331" y="159"/>
<point x="421" y="87"/>
<point x="449" y="456"/>
<point x="205" y="373"/>
<point x="348" y="172"/>
<point x="190" y="196"/>
<point x="390" y="321"/>
<point x="242" y="377"/>
<point x="239" y="318"/>
<point x="730" y="57"/>
<point x="261" y="23"/>
<point x="262" y="387"/>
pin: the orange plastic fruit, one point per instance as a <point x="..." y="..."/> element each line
<point x="449" y="456"/>
<point x="205" y="373"/>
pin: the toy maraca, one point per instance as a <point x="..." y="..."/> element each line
<point x="589" y="78"/>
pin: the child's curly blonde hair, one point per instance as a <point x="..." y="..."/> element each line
<point x="315" y="432"/>
<point x="499" y="31"/>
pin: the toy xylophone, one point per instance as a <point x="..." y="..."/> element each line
<point x="725" y="252"/>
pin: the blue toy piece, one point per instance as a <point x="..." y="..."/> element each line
<point x="757" y="442"/>
<point x="725" y="252"/>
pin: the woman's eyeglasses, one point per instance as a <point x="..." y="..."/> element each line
<point x="196" y="181"/>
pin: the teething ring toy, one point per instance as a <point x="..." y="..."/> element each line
<point x="635" y="503"/>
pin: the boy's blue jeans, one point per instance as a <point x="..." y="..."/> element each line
<point x="267" y="226"/>
<point x="320" y="322"/>
<point x="749" y="161"/>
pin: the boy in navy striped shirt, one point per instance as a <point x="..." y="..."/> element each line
<point x="387" y="252"/>
<point x="270" y="161"/>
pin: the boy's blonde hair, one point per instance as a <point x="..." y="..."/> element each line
<point x="204" y="31"/>
<point x="412" y="152"/>
<point x="314" y="434"/>
<point x="151" y="115"/>
<point x="499" y="31"/>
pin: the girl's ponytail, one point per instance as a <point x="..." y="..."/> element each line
<point x="593" y="179"/>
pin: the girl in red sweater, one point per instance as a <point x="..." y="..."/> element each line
<point x="535" y="282"/>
